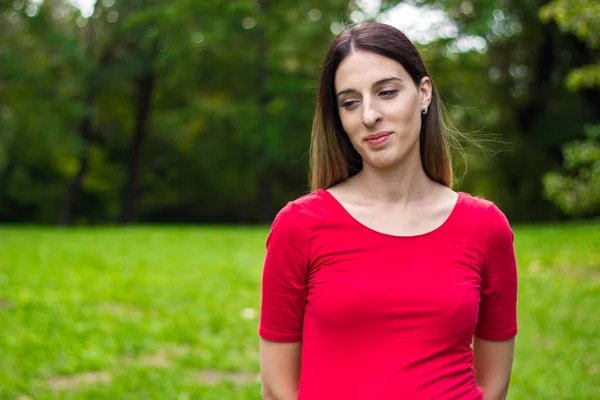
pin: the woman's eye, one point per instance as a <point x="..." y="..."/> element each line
<point x="388" y="93"/>
<point x="349" y="103"/>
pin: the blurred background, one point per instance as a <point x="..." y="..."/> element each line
<point x="145" y="147"/>
<point x="200" y="111"/>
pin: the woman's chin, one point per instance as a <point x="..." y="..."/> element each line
<point x="382" y="162"/>
<point x="391" y="157"/>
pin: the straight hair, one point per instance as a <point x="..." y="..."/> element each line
<point x="332" y="155"/>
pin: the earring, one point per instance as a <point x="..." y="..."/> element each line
<point x="424" y="111"/>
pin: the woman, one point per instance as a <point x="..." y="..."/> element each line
<point x="377" y="283"/>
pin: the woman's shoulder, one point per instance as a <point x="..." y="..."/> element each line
<point x="482" y="210"/>
<point x="302" y="207"/>
<point x="477" y="203"/>
<point x="309" y="200"/>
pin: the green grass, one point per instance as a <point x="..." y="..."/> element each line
<point x="154" y="311"/>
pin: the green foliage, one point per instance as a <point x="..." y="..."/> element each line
<point x="586" y="77"/>
<point x="511" y="95"/>
<point x="161" y="313"/>
<point x="581" y="18"/>
<point x="224" y="115"/>
<point x="578" y="192"/>
<point x="230" y="113"/>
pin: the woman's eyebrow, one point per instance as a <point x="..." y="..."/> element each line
<point x="379" y="82"/>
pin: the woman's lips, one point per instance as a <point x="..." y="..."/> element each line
<point x="378" y="139"/>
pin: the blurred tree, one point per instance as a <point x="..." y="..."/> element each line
<point x="578" y="192"/>
<point x="581" y="18"/>
<point x="36" y="115"/>
<point x="93" y="63"/>
<point x="516" y="95"/>
<point x="258" y="71"/>
<point x="201" y="111"/>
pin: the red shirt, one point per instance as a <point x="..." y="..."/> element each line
<point x="385" y="317"/>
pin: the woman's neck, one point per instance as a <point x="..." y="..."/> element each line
<point x="400" y="185"/>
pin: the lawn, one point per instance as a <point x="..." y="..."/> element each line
<point x="171" y="313"/>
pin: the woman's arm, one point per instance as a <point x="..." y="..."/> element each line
<point x="496" y="329"/>
<point x="493" y="366"/>
<point x="279" y="370"/>
<point x="283" y="303"/>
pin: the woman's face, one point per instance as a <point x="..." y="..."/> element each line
<point x="380" y="108"/>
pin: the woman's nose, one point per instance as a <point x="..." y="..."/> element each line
<point x="370" y="114"/>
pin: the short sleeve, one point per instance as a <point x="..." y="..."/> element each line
<point x="498" y="307"/>
<point x="284" y="278"/>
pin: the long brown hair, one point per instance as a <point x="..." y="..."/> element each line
<point x="332" y="156"/>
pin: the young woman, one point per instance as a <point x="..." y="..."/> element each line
<point x="378" y="282"/>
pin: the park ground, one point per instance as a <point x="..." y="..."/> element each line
<point x="171" y="312"/>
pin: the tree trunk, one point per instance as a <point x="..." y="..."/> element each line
<point x="85" y="133"/>
<point x="264" y="192"/>
<point x="70" y="198"/>
<point x="145" y="86"/>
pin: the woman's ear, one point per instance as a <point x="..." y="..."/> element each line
<point x="426" y="91"/>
